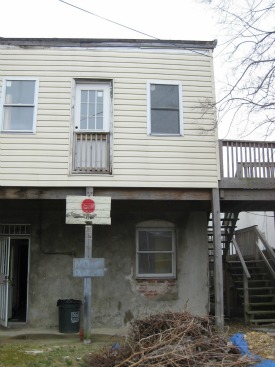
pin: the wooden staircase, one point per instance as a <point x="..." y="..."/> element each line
<point x="260" y="290"/>
<point x="249" y="271"/>
<point x="228" y="224"/>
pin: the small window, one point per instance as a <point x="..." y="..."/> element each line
<point x="155" y="252"/>
<point x="19" y="105"/>
<point x="165" y="108"/>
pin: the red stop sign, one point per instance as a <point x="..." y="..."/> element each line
<point x="88" y="206"/>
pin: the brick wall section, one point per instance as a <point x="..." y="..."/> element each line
<point x="152" y="288"/>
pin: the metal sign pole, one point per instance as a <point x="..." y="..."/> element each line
<point x="88" y="210"/>
<point x="87" y="296"/>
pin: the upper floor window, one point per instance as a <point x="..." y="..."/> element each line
<point x="19" y="104"/>
<point x="92" y="106"/>
<point x="164" y="108"/>
<point x="155" y="241"/>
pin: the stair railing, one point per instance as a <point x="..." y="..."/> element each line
<point x="246" y="276"/>
<point x="258" y="247"/>
<point x="269" y="251"/>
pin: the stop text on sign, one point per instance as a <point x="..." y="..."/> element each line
<point x="88" y="206"/>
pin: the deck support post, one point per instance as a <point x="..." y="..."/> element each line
<point x="218" y="267"/>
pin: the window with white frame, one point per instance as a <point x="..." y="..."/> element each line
<point x="92" y="107"/>
<point x="156" y="257"/>
<point x="164" y="112"/>
<point x="19" y="105"/>
<point x="91" y="150"/>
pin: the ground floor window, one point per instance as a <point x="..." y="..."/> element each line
<point x="155" y="244"/>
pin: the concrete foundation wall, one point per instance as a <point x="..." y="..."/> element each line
<point x="118" y="297"/>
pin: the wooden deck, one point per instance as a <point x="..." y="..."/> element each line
<point x="247" y="175"/>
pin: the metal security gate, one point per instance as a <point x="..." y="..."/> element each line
<point x="4" y="279"/>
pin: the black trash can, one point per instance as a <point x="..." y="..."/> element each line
<point x="69" y="315"/>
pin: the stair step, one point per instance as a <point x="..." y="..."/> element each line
<point x="254" y="281"/>
<point x="252" y="304"/>
<point x="253" y="261"/>
<point x="257" y="288"/>
<point x="260" y="321"/>
<point x="259" y="312"/>
<point x="260" y="295"/>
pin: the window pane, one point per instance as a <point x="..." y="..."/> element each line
<point x="91" y="109"/>
<point x="165" y="122"/>
<point x="92" y="95"/>
<point x="20" y="91"/>
<point x="164" y="96"/>
<point x="99" y="123"/>
<point x="83" y="107"/>
<point x="91" y="123"/>
<point x="99" y="110"/>
<point x="155" y="264"/>
<point x="155" y="241"/>
<point x="83" y="122"/>
<point x="18" y="118"/>
<point x="84" y="96"/>
<point x="99" y="96"/>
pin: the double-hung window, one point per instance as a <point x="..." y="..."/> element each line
<point x="164" y="111"/>
<point x="19" y="105"/>
<point x="156" y="256"/>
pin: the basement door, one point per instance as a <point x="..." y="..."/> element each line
<point x="14" y="264"/>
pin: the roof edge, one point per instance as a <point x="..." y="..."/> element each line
<point x="107" y="42"/>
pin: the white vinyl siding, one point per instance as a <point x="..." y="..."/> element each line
<point x="138" y="159"/>
<point x="19" y="105"/>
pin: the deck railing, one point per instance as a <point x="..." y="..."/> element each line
<point x="247" y="159"/>
<point x="91" y="153"/>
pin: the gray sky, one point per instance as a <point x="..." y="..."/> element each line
<point x="176" y="19"/>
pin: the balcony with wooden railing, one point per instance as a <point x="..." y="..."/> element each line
<point x="91" y="153"/>
<point x="247" y="164"/>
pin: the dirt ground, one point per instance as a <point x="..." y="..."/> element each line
<point x="39" y="351"/>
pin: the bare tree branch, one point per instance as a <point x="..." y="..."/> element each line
<point x="250" y="53"/>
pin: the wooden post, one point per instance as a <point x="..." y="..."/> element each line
<point x="218" y="268"/>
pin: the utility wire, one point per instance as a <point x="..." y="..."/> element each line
<point x="124" y="26"/>
<point x="108" y="20"/>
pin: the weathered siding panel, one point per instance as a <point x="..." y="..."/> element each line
<point x="138" y="159"/>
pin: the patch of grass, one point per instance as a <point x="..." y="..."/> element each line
<point x="31" y="354"/>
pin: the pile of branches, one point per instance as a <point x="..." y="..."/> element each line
<point x="171" y="339"/>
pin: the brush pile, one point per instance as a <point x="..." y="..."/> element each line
<point x="171" y="339"/>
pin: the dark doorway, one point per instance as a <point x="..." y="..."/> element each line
<point x="19" y="262"/>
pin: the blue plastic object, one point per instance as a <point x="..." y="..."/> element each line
<point x="239" y="341"/>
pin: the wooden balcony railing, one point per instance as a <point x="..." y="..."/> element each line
<point x="247" y="159"/>
<point x="91" y="153"/>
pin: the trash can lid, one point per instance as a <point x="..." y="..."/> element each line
<point x="68" y="301"/>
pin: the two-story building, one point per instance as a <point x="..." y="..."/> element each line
<point x="124" y="119"/>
